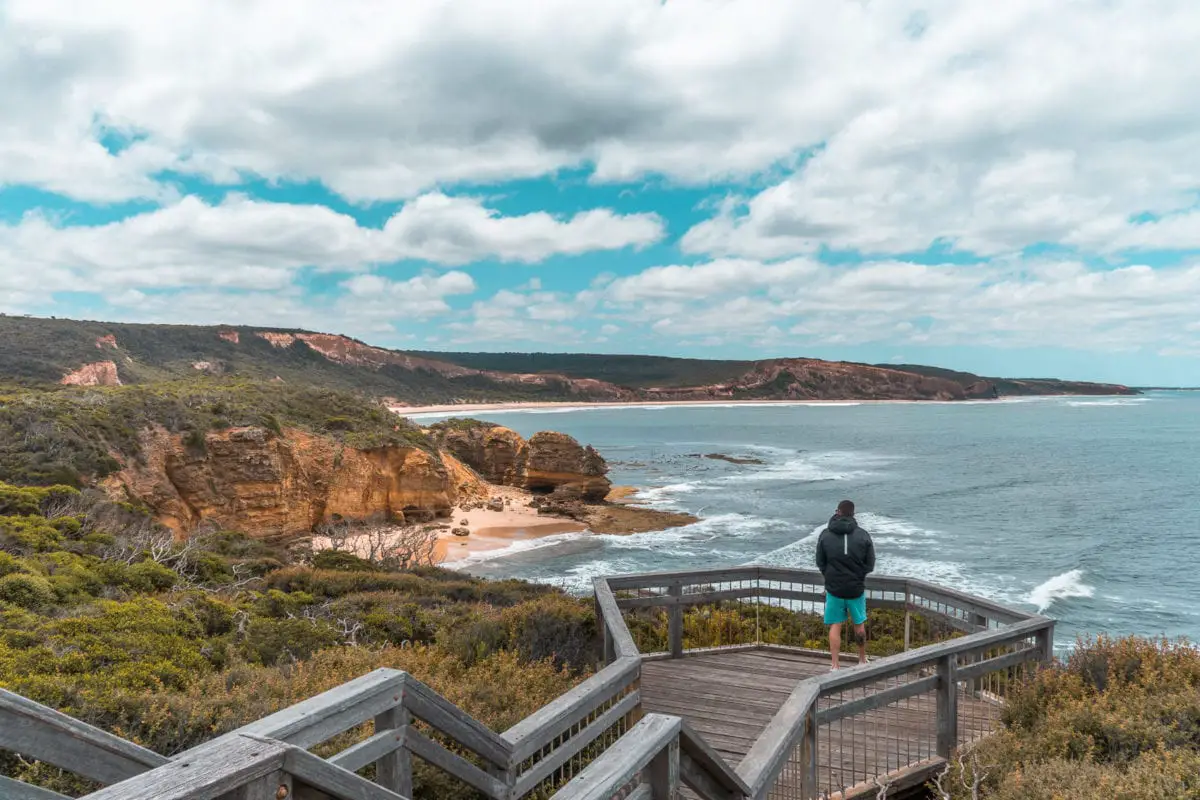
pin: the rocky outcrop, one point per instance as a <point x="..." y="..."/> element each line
<point x="548" y="462"/>
<point x="281" y="486"/>
<point x="556" y="462"/>
<point x="107" y="340"/>
<point x="278" y="339"/>
<point x="497" y="453"/>
<point x="99" y="373"/>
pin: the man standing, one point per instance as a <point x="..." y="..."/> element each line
<point x="845" y="556"/>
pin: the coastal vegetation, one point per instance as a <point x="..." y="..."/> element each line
<point x="77" y="435"/>
<point x="51" y="351"/>
<point x="1118" y="718"/>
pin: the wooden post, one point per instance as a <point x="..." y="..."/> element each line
<point x="276" y="786"/>
<point x="675" y="626"/>
<point x="947" y="706"/>
<point x="808" y="755"/>
<point x="907" y="619"/>
<point x="1045" y="643"/>
<point x="663" y="773"/>
<point x="394" y="771"/>
<point x="602" y="630"/>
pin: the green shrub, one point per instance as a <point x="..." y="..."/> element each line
<point x="1120" y="718"/>
<point x="10" y="564"/>
<point x="26" y="591"/>
<point x="150" y="576"/>
<point x="338" y="560"/>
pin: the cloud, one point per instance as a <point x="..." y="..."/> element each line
<point x="420" y="298"/>
<point x="1004" y="304"/>
<point x="457" y="230"/>
<point x="955" y="123"/>
<point x="250" y="244"/>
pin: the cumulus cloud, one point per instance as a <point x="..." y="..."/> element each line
<point x="1004" y="304"/>
<point x="421" y="297"/>
<point x="250" y="244"/>
<point x="985" y="123"/>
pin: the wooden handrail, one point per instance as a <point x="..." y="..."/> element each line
<point x="653" y="743"/>
<point x="41" y="733"/>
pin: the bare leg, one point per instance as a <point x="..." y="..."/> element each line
<point x="860" y="636"/>
<point x="835" y="642"/>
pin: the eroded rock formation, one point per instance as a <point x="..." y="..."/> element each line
<point x="99" y="373"/>
<point x="548" y="462"/>
<point x="557" y="462"/>
<point x="497" y="453"/>
<point x="279" y="486"/>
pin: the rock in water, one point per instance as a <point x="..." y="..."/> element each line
<point x="556" y="460"/>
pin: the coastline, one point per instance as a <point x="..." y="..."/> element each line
<point x="490" y="529"/>
<point x="570" y="405"/>
<point x="483" y="526"/>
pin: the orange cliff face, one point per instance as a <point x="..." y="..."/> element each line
<point x="99" y="373"/>
<point x="277" y="487"/>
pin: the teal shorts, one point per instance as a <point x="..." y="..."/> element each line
<point x="837" y="608"/>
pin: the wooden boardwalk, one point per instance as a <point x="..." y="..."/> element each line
<point x="729" y="697"/>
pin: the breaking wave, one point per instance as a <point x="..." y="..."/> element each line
<point x="1060" y="587"/>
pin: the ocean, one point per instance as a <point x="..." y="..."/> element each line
<point x="1086" y="509"/>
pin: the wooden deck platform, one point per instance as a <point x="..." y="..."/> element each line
<point x="730" y="697"/>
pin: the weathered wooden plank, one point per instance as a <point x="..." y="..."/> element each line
<point x="622" y="640"/>
<point x="428" y="750"/>
<point x="337" y="783"/>
<point x="541" y="727"/>
<point x="17" y="790"/>
<point x="701" y="756"/>
<point x="620" y="763"/>
<point x="448" y="719"/>
<point x="370" y="750"/>
<point x="980" y="668"/>
<point x="212" y="770"/>
<point x="268" y="787"/>
<point x="947" y="706"/>
<point x="312" y="721"/>
<point x="648" y="580"/>
<point x="642" y="792"/>
<point x="39" y="732"/>
<point x="394" y="770"/>
<point x="785" y="575"/>
<point x="662" y="773"/>
<point x="926" y="656"/>
<point x="770" y="751"/>
<point x="877" y="699"/>
<point x="564" y="753"/>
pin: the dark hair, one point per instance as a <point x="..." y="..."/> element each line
<point x="846" y="508"/>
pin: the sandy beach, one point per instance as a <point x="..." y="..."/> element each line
<point x="495" y="530"/>
<point x="566" y="405"/>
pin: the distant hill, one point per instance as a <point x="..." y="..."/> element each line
<point x="37" y="351"/>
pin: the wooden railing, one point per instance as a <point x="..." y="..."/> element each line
<point x="938" y="696"/>
<point x="593" y="741"/>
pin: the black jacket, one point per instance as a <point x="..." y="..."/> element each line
<point x="845" y="556"/>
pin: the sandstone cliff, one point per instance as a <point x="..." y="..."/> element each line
<point x="280" y="486"/>
<point x="99" y="373"/>
<point x="548" y="462"/>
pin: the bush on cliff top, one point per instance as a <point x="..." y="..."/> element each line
<point x="70" y="435"/>
<point x="102" y="617"/>
<point x="1119" y="718"/>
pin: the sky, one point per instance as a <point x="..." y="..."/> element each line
<point x="1008" y="188"/>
